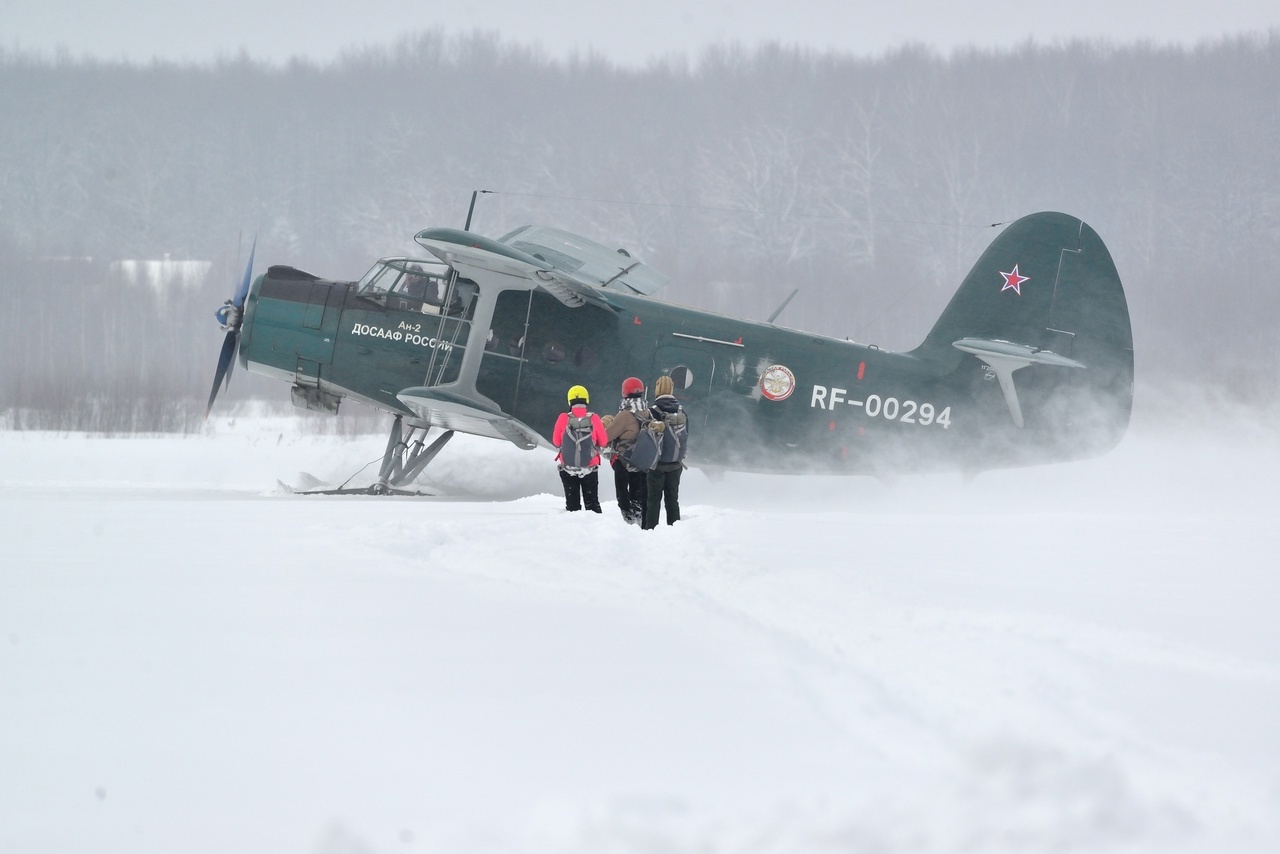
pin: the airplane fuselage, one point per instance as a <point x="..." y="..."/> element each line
<point x="759" y="397"/>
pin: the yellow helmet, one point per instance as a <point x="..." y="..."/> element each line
<point x="578" y="393"/>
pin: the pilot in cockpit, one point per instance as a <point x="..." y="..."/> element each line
<point x="414" y="285"/>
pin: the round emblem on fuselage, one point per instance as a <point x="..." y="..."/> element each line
<point x="777" y="382"/>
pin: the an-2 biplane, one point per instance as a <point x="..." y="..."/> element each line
<point x="1031" y="362"/>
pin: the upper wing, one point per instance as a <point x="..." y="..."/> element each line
<point x="460" y="249"/>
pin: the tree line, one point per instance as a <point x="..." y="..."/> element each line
<point x="869" y="183"/>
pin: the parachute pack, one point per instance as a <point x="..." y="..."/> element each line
<point x="578" y="449"/>
<point x="661" y="440"/>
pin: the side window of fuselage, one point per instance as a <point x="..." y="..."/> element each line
<point x="681" y="377"/>
<point x="507" y="334"/>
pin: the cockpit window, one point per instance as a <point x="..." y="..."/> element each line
<point x="379" y="279"/>
<point x="407" y="284"/>
<point x="413" y="283"/>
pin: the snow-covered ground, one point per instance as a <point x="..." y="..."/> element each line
<point x="1076" y="658"/>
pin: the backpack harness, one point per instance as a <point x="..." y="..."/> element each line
<point x="662" y="440"/>
<point x="578" y="448"/>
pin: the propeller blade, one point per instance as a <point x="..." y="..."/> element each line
<point x="231" y="364"/>
<point x="248" y="277"/>
<point x="226" y="360"/>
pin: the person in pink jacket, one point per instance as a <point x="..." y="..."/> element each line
<point x="580" y="435"/>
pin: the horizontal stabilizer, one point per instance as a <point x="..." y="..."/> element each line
<point x="994" y="348"/>
<point x="1005" y="357"/>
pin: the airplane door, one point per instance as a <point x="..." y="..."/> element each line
<point x="320" y="318"/>
<point x="324" y="307"/>
<point x="693" y="372"/>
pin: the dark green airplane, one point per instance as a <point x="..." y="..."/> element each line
<point x="1031" y="362"/>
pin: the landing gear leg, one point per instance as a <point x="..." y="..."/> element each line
<point x="406" y="456"/>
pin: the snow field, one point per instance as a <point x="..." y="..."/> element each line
<point x="1071" y="658"/>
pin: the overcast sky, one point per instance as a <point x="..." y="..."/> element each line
<point x="630" y="33"/>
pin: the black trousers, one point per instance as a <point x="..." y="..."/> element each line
<point x="581" y="490"/>
<point x="662" y="487"/>
<point x="630" y="488"/>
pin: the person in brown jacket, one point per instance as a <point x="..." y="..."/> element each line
<point x="622" y="431"/>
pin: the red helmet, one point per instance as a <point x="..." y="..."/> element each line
<point x="632" y="387"/>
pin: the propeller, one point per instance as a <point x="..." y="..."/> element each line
<point x="230" y="315"/>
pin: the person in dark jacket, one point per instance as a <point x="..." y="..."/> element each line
<point x="579" y="433"/>
<point x="622" y="430"/>
<point x="662" y="484"/>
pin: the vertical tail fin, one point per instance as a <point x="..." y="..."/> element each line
<point x="1045" y="296"/>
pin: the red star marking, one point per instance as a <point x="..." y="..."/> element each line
<point x="1013" y="281"/>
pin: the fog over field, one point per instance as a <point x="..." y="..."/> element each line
<point x="287" y="30"/>
<point x="131" y="193"/>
